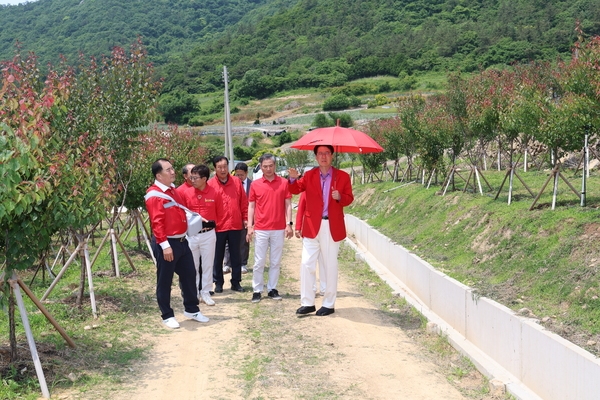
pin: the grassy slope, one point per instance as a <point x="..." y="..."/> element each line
<point x="543" y="260"/>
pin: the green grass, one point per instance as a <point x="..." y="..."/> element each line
<point x="105" y="347"/>
<point x="545" y="260"/>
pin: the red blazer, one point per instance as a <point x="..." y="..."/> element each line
<point x="310" y="183"/>
<point x="300" y="211"/>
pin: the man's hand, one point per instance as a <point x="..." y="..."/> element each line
<point x="298" y="234"/>
<point x="293" y="173"/>
<point x="336" y="195"/>
<point x="249" y="234"/>
<point x="209" y="224"/>
<point x="289" y="232"/>
<point x="168" y="254"/>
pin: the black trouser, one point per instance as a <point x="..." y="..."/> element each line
<point x="233" y="239"/>
<point x="244" y="250"/>
<point x="183" y="266"/>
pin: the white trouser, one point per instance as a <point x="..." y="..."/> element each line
<point x="323" y="245"/>
<point x="202" y="246"/>
<point x="263" y="241"/>
<point x="322" y="278"/>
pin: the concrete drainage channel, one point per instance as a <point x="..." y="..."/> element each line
<point x="515" y="353"/>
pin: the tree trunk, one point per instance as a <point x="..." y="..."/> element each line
<point x="113" y="225"/>
<point x="12" y="326"/>
<point x="137" y="231"/>
<point x="80" y="292"/>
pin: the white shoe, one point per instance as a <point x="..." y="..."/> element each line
<point x="226" y="270"/>
<point x="205" y="297"/>
<point x="244" y="269"/>
<point x="171" y="323"/>
<point x="196" y="316"/>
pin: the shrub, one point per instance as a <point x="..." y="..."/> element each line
<point x="196" y="121"/>
<point x="385" y="87"/>
<point x="178" y="107"/>
<point x="381" y="100"/>
<point x="243" y="152"/>
<point x="345" y="119"/>
<point x="322" y="121"/>
<point x="336" y="102"/>
<point x="407" y="83"/>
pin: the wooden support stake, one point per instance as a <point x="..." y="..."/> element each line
<point x="44" y="311"/>
<point x="88" y="270"/>
<point x="146" y="239"/>
<point x="100" y="247"/>
<point x="61" y="273"/>
<point x="34" y="354"/>
<point x="113" y="239"/>
<point x="125" y="252"/>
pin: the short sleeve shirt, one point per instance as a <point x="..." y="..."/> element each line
<point x="269" y="198"/>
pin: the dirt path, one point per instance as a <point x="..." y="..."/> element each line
<point x="264" y="351"/>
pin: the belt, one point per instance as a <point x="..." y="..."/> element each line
<point x="325" y="217"/>
<point x="179" y="238"/>
<point x="206" y="230"/>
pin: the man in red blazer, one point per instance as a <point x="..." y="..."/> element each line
<point x="328" y="190"/>
<point x="299" y="220"/>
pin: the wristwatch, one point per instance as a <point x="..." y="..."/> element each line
<point x="290" y="223"/>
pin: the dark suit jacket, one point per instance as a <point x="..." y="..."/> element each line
<point x="248" y="187"/>
<point x="310" y="183"/>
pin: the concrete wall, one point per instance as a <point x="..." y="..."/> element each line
<point x="530" y="361"/>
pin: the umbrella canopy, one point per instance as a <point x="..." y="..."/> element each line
<point x="343" y="140"/>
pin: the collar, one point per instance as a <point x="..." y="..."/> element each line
<point x="327" y="174"/>
<point x="163" y="187"/>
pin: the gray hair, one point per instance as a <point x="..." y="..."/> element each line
<point x="267" y="156"/>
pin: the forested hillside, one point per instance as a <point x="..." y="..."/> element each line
<point x="327" y="42"/>
<point x="272" y="45"/>
<point x="54" y="27"/>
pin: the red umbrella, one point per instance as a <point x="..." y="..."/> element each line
<point x="343" y="140"/>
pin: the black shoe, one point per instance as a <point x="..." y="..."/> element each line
<point x="218" y="288"/>
<point x="237" y="288"/>
<point x="211" y="292"/>
<point x="305" y="310"/>
<point x="325" y="311"/>
<point x="274" y="294"/>
<point x="255" y="297"/>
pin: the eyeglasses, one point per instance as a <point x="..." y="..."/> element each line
<point x="324" y="154"/>
<point x="195" y="178"/>
<point x="221" y="167"/>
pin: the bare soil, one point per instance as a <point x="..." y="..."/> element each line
<point x="264" y="351"/>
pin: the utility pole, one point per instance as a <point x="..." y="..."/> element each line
<point x="228" y="137"/>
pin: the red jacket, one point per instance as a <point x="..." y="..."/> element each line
<point x="165" y="221"/>
<point x="310" y="184"/>
<point x="181" y="189"/>
<point x="234" y="204"/>
<point x="204" y="202"/>
<point x="300" y="212"/>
